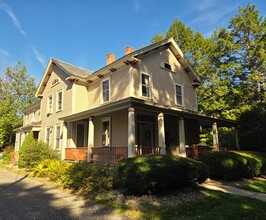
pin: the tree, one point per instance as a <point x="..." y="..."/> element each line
<point x="242" y="48"/>
<point x="17" y="92"/>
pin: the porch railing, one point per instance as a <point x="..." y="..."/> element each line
<point x="76" y="154"/>
<point x="147" y="150"/>
<point x="109" y="154"/>
<point x="193" y="152"/>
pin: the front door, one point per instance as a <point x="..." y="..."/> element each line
<point x="145" y="134"/>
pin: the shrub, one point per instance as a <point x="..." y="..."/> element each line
<point x="253" y="164"/>
<point x="261" y="156"/>
<point x="92" y="177"/>
<point x="7" y="154"/>
<point x="33" y="152"/>
<point x="229" y="165"/>
<point x="154" y="174"/>
<point x="54" y="169"/>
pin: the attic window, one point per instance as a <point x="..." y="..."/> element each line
<point x="166" y="66"/>
<point x="55" y="82"/>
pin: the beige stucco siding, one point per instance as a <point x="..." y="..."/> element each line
<point x="119" y="88"/>
<point x="119" y="124"/>
<point x="66" y="87"/>
<point x="80" y="96"/>
<point x="162" y="81"/>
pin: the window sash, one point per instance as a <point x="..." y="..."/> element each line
<point x="106" y="133"/>
<point x="178" y="94"/>
<point x="59" y="100"/>
<point x="57" y="137"/>
<point x="105" y="90"/>
<point x="48" y="130"/>
<point x="145" y="85"/>
<point x="50" y="104"/>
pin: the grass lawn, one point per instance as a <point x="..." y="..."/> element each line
<point x="258" y="186"/>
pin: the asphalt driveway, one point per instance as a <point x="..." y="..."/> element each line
<point x="24" y="198"/>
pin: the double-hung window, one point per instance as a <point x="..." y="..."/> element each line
<point x="48" y="134"/>
<point x="178" y="94"/>
<point x="106" y="90"/>
<point x="59" y="104"/>
<point x="145" y="85"/>
<point x="49" y="104"/>
<point x="57" y="136"/>
<point x="106" y="133"/>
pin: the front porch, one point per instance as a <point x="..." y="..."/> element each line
<point x="130" y="129"/>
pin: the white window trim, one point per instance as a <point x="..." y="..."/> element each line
<point x="110" y="130"/>
<point x="49" y="111"/>
<point x="150" y="85"/>
<point x="50" y="127"/>
<point x="109" y="83"/>
<point x="182" y="94"/>
<point x="55" y="136"/>
<point x="59" y="110"/>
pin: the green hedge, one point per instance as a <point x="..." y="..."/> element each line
<point x="155" y="174"/>
<point x="89" y="176"/>
<point x="261" y="156"/>
<point x="230" y="165"/>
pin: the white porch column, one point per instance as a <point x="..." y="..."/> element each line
<point x="161" y="133"/>
<point x="215" y="135"/>
<point x="182" y="137"/>
<point x="131" y="132"/>
<point x="90" y="138"/>
<point x="64" y="141"/>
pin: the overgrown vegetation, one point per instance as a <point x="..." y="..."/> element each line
<point x="53" y="169"/>
<point x="155" y="174"/>
<point x="7" y="154"/>
<point x="231" y="165"/>
<point x="33" y="152"/>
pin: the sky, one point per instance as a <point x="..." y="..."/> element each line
<point x="82" y="32"/>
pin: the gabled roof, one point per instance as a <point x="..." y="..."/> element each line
<point x="72" y="70"/>
<point x="69" y="69"/>
<point x="87" y="76"/>
<point x="135" y="56"/>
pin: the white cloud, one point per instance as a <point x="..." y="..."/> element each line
<point x="212" y="15"/>
<point x="5" y="53"/>
<point x="16" y="22"/>
<point x="39" y="56"/>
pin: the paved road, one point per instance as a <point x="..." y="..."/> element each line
<point x="23" y="198"/>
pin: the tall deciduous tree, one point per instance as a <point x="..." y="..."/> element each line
<point x="17" y="90"/>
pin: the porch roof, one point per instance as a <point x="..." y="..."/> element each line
<point x="204" y="120"/>
<point x="33" y="127"/>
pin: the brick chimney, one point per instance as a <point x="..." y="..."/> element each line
<point x="129" y="49"/>
<point x="110" y="58"/>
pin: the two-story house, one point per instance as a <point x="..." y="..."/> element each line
<point x="144" y="102"/>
